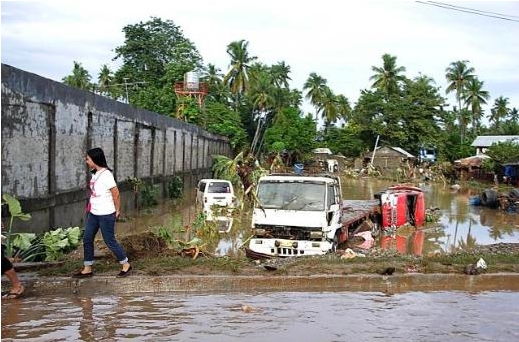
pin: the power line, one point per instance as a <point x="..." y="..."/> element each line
<point x="465" y="11"/>
<point x="475" y="10"/>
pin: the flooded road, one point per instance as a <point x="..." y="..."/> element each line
<point x="460" y="225"/>
<point x="277" y="316"/>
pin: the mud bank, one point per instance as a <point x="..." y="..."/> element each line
<point x="197" y="283"/>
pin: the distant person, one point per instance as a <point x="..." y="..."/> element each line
<point x="17" y="288"/>
<point x="102" y="210"/>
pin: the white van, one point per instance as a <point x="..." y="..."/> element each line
<point x="216" y="192"/>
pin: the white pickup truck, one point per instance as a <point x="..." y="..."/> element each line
<point x="298" y="215"/>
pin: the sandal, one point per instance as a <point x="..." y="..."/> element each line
<point x="13" y="295"/>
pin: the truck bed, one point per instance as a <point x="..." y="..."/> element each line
<point x="357" y="210"/>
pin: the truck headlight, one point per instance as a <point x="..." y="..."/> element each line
<point x="259" y="232"/>
<point x="316" y="235"/>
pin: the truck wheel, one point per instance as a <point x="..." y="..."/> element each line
<point x="514" y="194"/>
<point x="489" y="198"/>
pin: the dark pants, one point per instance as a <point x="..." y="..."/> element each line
<point x="107" y="225"/>
<point x="6" y="264"/>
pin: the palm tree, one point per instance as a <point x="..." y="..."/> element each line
<point x="459" y="74"/>
<point x="262" y="100"/>
<point x="499" y="111"/>
<point x="280" y="73"/>
<point x="80" y="77"/>
<point x="343" y="107"/>
<point x="214" y="78"/>
<point x="328" y="106"/>
<point x="237" y="78"/>
<point x="388" y="78"/>
<point x="314" y="87"/>
<point x="514" y="115"/>
<point x="104" y="80"/>
<point x="475" y="96"/>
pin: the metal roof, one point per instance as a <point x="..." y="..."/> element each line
<point x="488" y="140"/>
<point x="322" y="150"/>
<point x="404" y="152"/>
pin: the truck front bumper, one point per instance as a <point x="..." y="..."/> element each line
<point x="284" y="248"/>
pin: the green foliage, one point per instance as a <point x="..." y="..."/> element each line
<point x="295" y="132"/>
<point x="345" y="140"/>
<point x="157" y="53"/>
<point x="15" y="211"/>
<point x="60" y="241"/>
<point x="503" y="152"/>
<point x="148" y="195"/>
<point x="224" y="121"/>
<point x="175" y="187"/>
<point x="226" y="168"/>
<point x="80" y="78"/>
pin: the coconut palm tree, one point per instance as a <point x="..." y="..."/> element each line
<point x="388" y="78"/>
<point x="280" y="73"/>
<point x="499" y="111"/>
<point x="328" y="107"/>
<point x="474" y="97"/>
<point x="104" y="80"/>
<point x="237" y="78"/>
<point x="262" y="100"/>
<point x="458" y="74"/>
<point x="343" y="107"/>
<point x="314" y="87"/>
<point x="80" y="77"/>
<point x="514" y="115"/>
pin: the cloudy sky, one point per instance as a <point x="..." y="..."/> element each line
<point x="338" y="41"/>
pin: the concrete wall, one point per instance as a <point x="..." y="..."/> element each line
<point x="47" y="128"/>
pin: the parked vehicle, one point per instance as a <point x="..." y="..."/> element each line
<point x="305" y="215"/>
<point x="216" y="195"/>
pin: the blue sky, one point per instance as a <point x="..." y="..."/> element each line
<point x="338" y="41"/>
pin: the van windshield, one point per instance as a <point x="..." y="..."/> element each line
<point x="308" y="196"/>
<point x="219" y="188"/>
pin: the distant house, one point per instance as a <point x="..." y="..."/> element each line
<point x="386" y="157"/>
<point x="483" y="142"/>
<point x="470" y="168"/>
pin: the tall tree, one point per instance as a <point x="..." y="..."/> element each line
<point x="280" y="73"/>
<point x="315" y="86"/>
<point x="458" y="74"/>
<point x="104" y="80"/>
<point x="474" y="97"/>
<point x="388" y="77"/>
<point x="343" y="107"/>
<point x="156" y="54"/>
<point x="80" y="78"/>
<point x="499" y="111"/>
<point x="328" y="107"/>
<point x="237" y="78"/>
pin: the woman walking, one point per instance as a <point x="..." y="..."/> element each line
<point x="102" y="210"/>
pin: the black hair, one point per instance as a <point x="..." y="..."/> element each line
<point x="98" y="157"/>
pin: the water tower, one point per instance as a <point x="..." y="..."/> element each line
<point x="190" y="88"/>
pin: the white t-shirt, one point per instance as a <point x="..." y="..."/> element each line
<point x="101" y="199"/>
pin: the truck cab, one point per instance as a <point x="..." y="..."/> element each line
<point x="296" y="215"/>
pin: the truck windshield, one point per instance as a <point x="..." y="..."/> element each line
<point x="219" y="188"/>
<point x="307" y="196"/>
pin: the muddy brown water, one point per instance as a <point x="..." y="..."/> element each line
<point x="273" y="316"/>
<point x="460" y="225"/>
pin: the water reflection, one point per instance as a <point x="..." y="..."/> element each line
<point x="279" y="316"/>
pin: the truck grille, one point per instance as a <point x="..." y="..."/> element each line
<point x="287" y="232"/>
